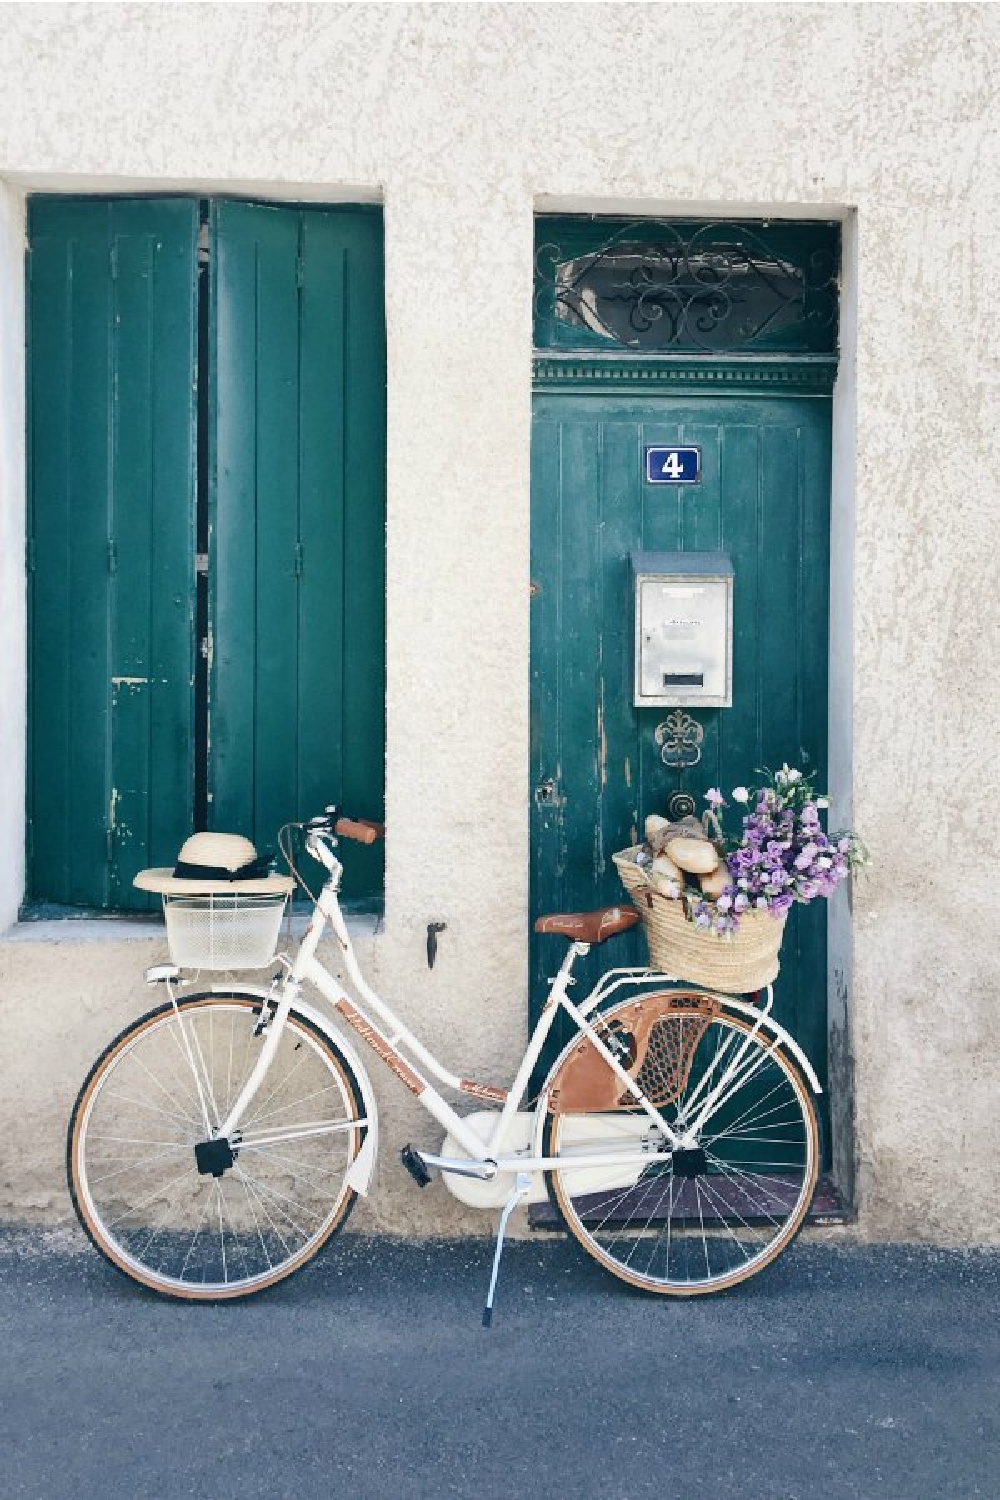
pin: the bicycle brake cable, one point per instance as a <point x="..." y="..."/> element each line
<point x="285" y="845"/>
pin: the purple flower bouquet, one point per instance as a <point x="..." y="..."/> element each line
<point x="782" y="856"/>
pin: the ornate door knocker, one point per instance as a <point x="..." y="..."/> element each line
<point x="679" y="738"/>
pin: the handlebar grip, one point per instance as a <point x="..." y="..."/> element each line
<point x="359" y="829"/>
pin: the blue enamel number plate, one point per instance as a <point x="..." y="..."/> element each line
<point x="673" y="465"/>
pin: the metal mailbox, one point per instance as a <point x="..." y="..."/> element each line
<point x="683" y="629"/>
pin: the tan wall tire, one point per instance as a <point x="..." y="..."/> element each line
<point x="573" y="1220"/>
<point x="299" y="1028"/>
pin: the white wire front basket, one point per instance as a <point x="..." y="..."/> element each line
<point x="223" y="931"/>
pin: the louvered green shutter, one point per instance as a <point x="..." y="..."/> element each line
<point x="112" y="354"/>
<point x="297" y="508"/>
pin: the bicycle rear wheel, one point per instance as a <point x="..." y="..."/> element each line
<point x="702" y="1219"/>
<point x="133" y="1174"/>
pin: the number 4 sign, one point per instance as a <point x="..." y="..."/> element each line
<point x="673" y="465"/>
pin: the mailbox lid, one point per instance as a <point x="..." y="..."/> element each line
<point x="683" y="629"/>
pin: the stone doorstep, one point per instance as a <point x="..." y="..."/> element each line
<point x="827" y="1208"/>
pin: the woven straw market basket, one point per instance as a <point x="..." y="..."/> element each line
<point x="734" y="962"/>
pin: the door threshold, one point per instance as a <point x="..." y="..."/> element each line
<point x="828" y="1207"/>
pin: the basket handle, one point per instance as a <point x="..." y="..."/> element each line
<point x="710" y="816"/>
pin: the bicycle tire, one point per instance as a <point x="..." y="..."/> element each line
<point x="298" y="1028"/>
<point x="616" y="1252"/>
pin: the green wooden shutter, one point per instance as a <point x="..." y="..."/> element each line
<point x="112" y="318"/>
<point x="297" y="510"/>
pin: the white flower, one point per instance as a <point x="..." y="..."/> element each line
<point x="822" y="802"/>
<point x="789" y="774"/>
<point x="741" y="794"/>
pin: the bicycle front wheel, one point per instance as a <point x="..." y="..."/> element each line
<point x="701" y="1219"/>
<point x="133" y="1173"/>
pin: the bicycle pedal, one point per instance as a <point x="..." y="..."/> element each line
<point x="414" y="1165"/>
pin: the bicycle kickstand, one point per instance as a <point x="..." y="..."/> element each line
<point x="522" y="1186"/>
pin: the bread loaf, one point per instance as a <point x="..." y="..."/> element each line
<point x="696" y="856"/>
<point x="717" y="882"/>
<point x="666" y="877"/>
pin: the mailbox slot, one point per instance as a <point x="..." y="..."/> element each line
<point x="683" y="605"/>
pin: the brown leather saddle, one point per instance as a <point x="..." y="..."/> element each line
<point x="589" y="926"/>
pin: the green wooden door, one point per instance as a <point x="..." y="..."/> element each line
<point x="596" y="768"/>
<point x="297" y="513"/>
<point x="111" y="442"/>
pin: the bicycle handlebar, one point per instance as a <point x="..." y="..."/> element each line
<point x="361" y="830"/>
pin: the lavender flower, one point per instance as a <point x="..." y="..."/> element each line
<point x="782" y="856"/>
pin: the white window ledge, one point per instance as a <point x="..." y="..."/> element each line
<point x="119" y="929"/>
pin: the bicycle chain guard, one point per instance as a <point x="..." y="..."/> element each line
<point x="654" y="1038"/>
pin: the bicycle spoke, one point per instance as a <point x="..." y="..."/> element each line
<point x="222" y="1236"/>
<point x="151" y="1198"/>
<point x="275" y="1198"/>
<point x="283" y="1108"/>
<point x="293" y="1171"/>
<point x="253" y="1120"/>
<point x="155" y="1109"/>
<point x="734" y="1175"/>
<point x="264" y="1209"/>
<point x="256" y="1220"/>
<point x="229" y="1068"/>
<point x="133" y="1166"/>
<point x="203" y="1221"/>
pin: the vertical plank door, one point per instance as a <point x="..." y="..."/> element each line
<point x="596" y="768"/>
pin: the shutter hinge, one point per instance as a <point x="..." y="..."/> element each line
<point x="111" y="845"/>
<point x="299" y="559"/>
<point x="201" y="562"/>
<point x="112" y="555"/>
<point x="29" y="839"/>
<point x="29" y="554"/>
<point x="113" y="260"/>
<point x="204" y="245"/>
<point x="300" y="271"/>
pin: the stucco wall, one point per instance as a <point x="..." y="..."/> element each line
<point x="464" y="119"/>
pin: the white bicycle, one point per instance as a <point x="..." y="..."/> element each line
<point x="221" y="1139"/>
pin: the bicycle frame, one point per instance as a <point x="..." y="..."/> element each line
<point x="385" y="1033"/>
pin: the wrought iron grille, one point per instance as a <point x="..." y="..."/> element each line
<point x="687" y="286"/>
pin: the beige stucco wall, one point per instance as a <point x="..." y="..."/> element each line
<point x="463" y="120"/>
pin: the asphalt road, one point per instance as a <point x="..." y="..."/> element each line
<point x="838" y="1372"/>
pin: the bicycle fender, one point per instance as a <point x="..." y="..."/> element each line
<point x="767" y="1023"/>
<point x="360" y="1175"/>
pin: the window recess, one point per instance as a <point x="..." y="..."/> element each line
<point x="206" y="537"/>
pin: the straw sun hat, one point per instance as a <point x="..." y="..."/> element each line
<point x="215" y="864"/>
